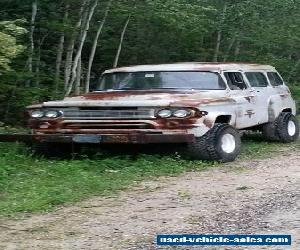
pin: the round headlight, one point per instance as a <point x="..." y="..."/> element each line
<point x="164" y="113"/>
<point x="52" y="114"/>
<point x="181" y="113"/>
<point x="37" y="114"/>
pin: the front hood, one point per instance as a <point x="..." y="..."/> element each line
<point x="141" y="99"/>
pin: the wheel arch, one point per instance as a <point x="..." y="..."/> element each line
<point x="276" y="107"/>
<point x="278" y="104"/>
<point x="287" y="110"/>
<point x="223" y="119"/>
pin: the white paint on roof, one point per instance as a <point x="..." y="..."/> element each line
<point x="193" y="66"/>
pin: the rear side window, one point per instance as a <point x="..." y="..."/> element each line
<point x="257" y="79"/>
<point x="275" y="79"/>
<point x="235" y="80"/>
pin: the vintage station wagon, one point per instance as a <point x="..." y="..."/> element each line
<point x="200" y="105"/>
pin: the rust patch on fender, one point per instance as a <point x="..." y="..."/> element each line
<point x="176" y="123"/>
<point x="197" y="102"/>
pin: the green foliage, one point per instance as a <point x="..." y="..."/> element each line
<point x="31" y="184"/>
<point x="14" y="97"/>
<point x="159" y="31"/>
<point x="9" y="48"/>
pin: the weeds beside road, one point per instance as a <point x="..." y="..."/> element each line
<point x="257" y="195"/>
<point x="30" y="184"/>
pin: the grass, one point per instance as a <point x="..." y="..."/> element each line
<point x="30" y="184"/>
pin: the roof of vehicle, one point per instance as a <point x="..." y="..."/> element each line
<point x="193" y="66"/>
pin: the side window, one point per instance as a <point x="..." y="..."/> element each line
<point x="275" y="79"/>
<point x="257" y="79"/>
<point x="235" y="80"/>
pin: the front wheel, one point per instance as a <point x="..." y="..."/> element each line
<point x="222" y="143"/>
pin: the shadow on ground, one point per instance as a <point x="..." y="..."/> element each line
<point x="132" y="151"/>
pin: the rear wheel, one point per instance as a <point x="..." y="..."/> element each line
<point x="287" y="127"/>
<point x="221" y="143"/>
<point x="284" y="129"/>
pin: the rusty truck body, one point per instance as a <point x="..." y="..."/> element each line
<point x="201" y="105"/>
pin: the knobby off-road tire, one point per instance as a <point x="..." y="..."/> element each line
<point x="287" y="127"/>
<point x="284" y="129"/>
<point x="221" y="143"/>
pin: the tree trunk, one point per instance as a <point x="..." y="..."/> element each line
<point x="237" y="49"/>
<point x="70" y="47"/>
<point x="38" y="60"/>
<point x="59" y="54"/>
<point x="31" y="38"/>
<point x="116" y="61"/>
<point x="78" y="78"/>
<point x="217" y="49"/>
<point x="94" y="47"/>
<point x="219" y="34"/>
<point x="229" y="48"/>
<point x="82" y="41"/>
<point x="69" y="59"/>
<point x="60" y="50"/>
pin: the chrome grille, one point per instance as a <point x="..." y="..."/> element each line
<point x="106" y="125"/>
<point x="102" y="114"/>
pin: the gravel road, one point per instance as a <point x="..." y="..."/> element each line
<point x="260" y="196"/>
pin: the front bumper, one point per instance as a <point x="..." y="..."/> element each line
<point x="141" y="138"/>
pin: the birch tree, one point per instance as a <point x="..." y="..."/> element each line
<point x="94" y="47"/>
<point x="60" y="50"/>
<point x="31" y="37"/>
<point x="219" y="33"/>
<point x="78" y="78"/>
<point x="117" y="57"/>
<point x="81" y="43"/>
<point x="71" y="45"/>
<point x="229" y="48"/>
<point x="38" y="59"/>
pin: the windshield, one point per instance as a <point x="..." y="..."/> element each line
<point x="161" y="80"/>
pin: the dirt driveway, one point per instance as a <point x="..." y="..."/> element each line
<point x="260" y="196"/>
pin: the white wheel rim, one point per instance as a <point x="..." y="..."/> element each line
<point x="291" y="128"/>
<point x="228" y="143"/>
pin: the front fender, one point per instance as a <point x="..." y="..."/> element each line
<point x="207" y="122"/>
